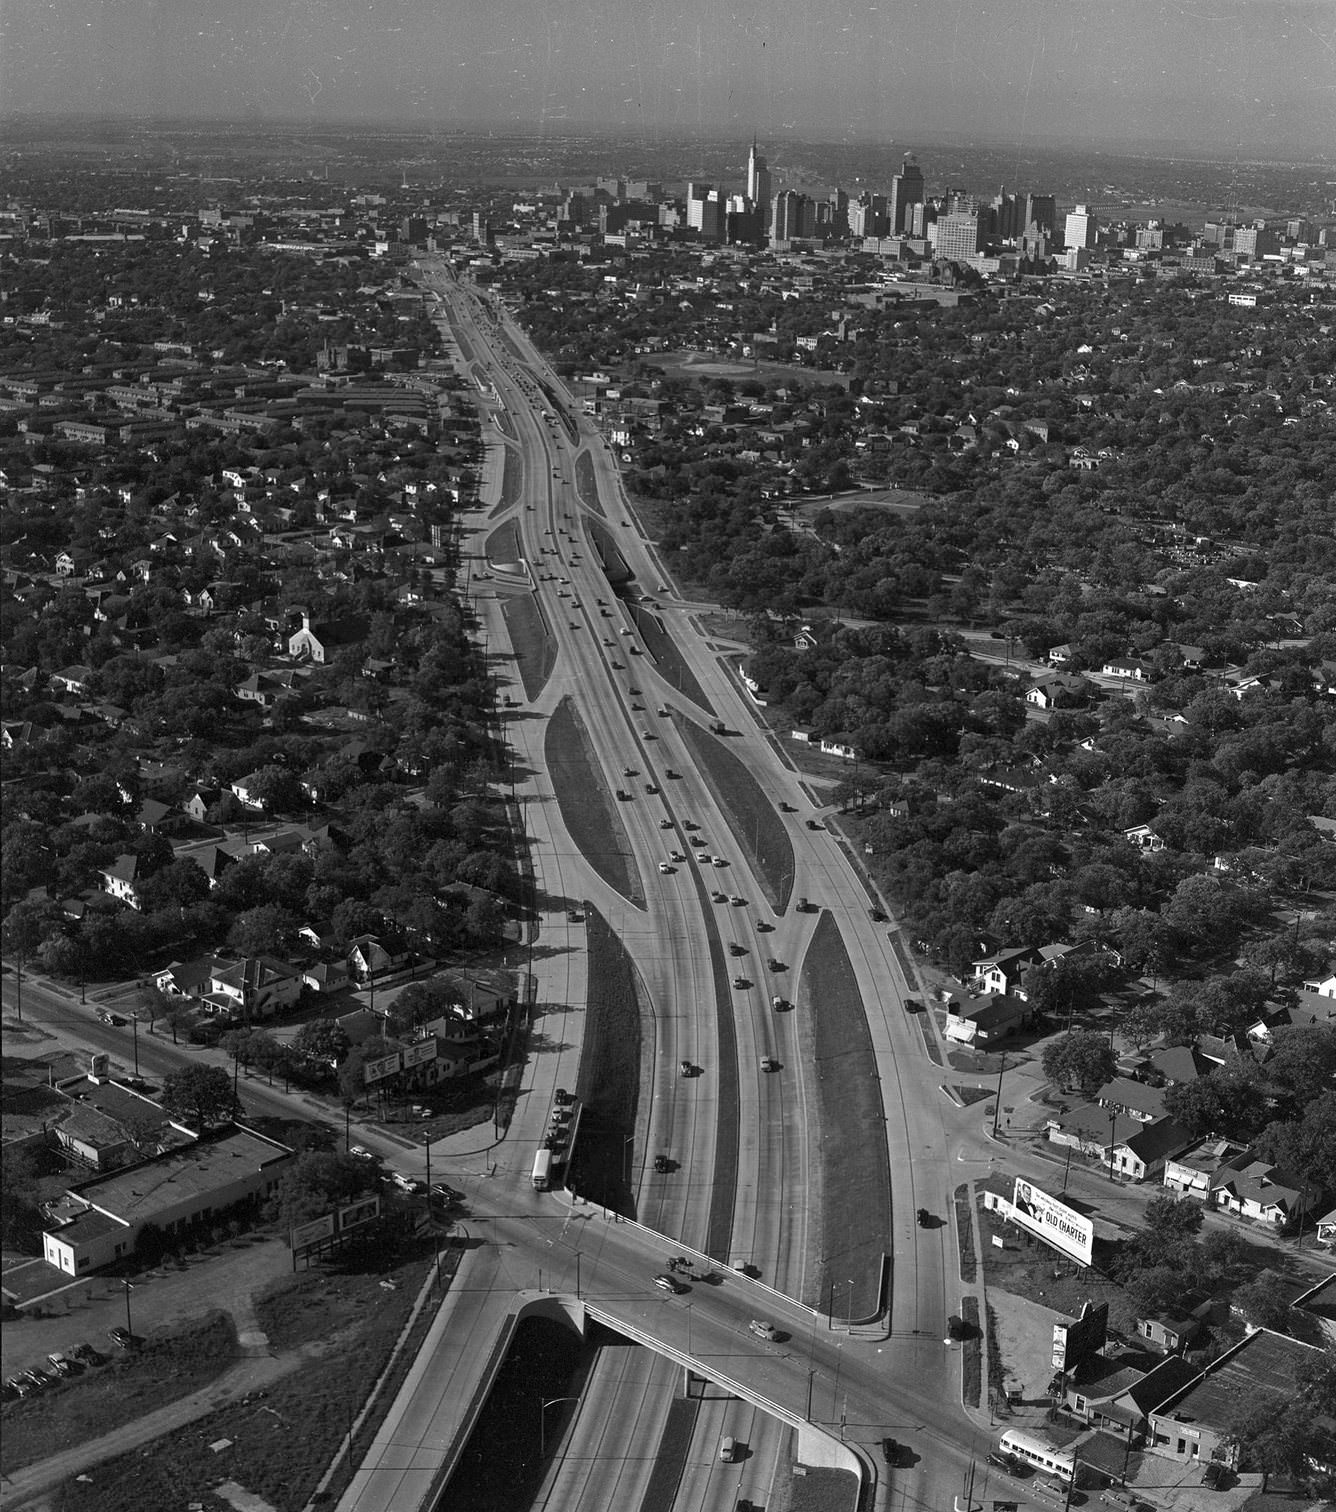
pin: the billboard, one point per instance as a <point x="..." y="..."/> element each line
<point x="419" y="1054"/>
<point x="357" y="1213"/>
<point x="1053" y="1221"/>
<point x="1079" y="1338"/>
<point x="306" y="1234"/>
<point x="379" y="1069"/>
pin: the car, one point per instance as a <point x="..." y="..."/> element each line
<point x="705" y="858"/>
<point x="1000" y="1460"/>
<point x="662" y="1164"/>
<point x="698" y="839"/>
<point x="439" y="1190"/>
<point x="924" y="1218"/>
<point x="648" y="735"/>
<point x="719" y="861"/>
<point x="86" y="1355"/>
<point x="574" y="916"/>
<point x="573" y="625"/>
<point x="740" y="982"/>
<point x="606" y="614"/>
<point x="665" y="824"/>
<point x="409" y="1184"/>
<point x="359" y="1152"/>
<point x="876" y="915"/>
<point x="890" y="1451"/>
<point x="779" y="1004"/>
<point x="555" y="1140"/>
<point x="652" y="788"/>
<point x="562" y="1097"/>
<point x="663" y="713"/>
<point x="623" y="631"/>
<point x="734" y="948"/>
<point x="61" y="1364"/>
<point x="669" y="1283"/>
<point x="617" y="666"/>
<point x="804" y="906"/>
<point x="685" y="1068"/>
<point x="746" y="1268"/>
<point x="634" y="691"/>
<point x="787" y="808"/>
<point x="718" y="897"/>
<point x="1215" y="1477"/>
<point x="623" y="795"/>
<point x="676" y="856"/>
<point x="912" y="1005"/>
<point x="637" y="708"/>
<point x="762" y="1329"/>
<point x="738" y="902"/>
<point x="773" y="965"/>
<point x="769" y="1063"/>
<point x="122" y="1338"/>
<point x="690" y="824"/>
<point x="814" y="824"/>
<point x="606" y="641"/>
<point x="665" y="869"/>
<point x="37" y="1379"/>
<point x="762" y="927"/>
<point x="671" y="775"/>
<point x="19" y="1386"/>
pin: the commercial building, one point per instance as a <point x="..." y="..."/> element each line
<point x="99" y="1222"/>
<point x="906" y="193"/>
<point x="1082" y="228"/>
<point x="960" y="236"/>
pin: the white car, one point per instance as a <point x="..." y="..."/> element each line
<point x="359" y="1153"/>
<point x="665" y="868"/>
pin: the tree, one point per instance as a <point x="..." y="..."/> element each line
<point x="1172" y="1220"/>
<point x="1265" y="1301"/>
<point x="1305" y="1143"/>
<point x="1080" y="1060"/>
<point x="178" y="885"/>
<point x="199" y="1096"/>
<point x="1279" y="1436"/>
<point x="1225" y="1101"/>
<point x="263" y="930"/>
<point x="317" y="1182"/>
<point x="321" y="1040"/>
<point x="20" y="1213"/>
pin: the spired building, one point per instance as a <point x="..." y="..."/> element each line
<point x="758" y="184"/>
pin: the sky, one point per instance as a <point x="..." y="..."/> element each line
<point x="1244" y="77"/>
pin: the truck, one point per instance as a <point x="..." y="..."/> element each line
<point x="542" y="1170"/>
<point x="718" y="727"/>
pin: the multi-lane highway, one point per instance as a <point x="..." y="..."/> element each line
<point x="892" y="1377"/>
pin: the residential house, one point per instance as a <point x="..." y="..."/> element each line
<point x="1143" y="837"/>
<point x="201" y="801"/>
<point x="1059" y="656"/>
<point x="1326" y="1228"/>
<point x="1059" y="690"/>
<point x="213" y="861"/>
<point x="1133" y="1148"/>
<point x="1324" y="984"/>
<point x="373" y="956"/>
<point x="118" y="879"/>
<point x="1175" y="1065"/>
<point x="326" y="976"/>
<point x="1171" y="1333"/>
<point x="72" y="679"/>
<point x="986" y="1020"/>
<point x="809" y="637"/>
<point x="1136" y="1099"/>
<point x="256" y="987"/>
<point x="245" y="790"/>
<point x="1127" y="667"/>
<point x="158" y="818"/>
<point x="1264" y="1194"/>
<point x="1003" y="970"/>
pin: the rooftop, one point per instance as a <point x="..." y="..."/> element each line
<point x="1263" y="1363"/>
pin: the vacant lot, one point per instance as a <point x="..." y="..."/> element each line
<point x="587" y="807"/>
<point x="281" y="1441"/>
<point x="756" y="826"/>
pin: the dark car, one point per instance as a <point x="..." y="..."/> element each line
<point x="924" y="1218"/>
<point x="662" y="1164"/>
<point x="912" y="1005"/>
<point x="890" y="1451"/>
<point x="876" y="915"/>
<point x="1000" y="1460"/>
<point x="813" y="824"/>
<point x="121" y="1337"/>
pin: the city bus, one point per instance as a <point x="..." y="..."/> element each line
<point x="1030" y="1449"/>
<point x="542" y="1170"/>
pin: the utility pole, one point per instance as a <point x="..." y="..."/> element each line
<point x="997" y="1110"/>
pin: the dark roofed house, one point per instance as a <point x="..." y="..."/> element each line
<point x="118" y="879"/>
<point x="159" y="818"/>
<point x="985" y="1020"/>
<point x="1264" y="1193"/>
<point x="1134" y="1098"/>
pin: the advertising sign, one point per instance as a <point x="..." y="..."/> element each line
<point x="419" y="1054"/>
<point x="357" y="1213"/>
<point x="378" y="1070"/>
<point x="306" y="1234"/>
<point x="1053" y="1221"/>
<point x="1081" y="1337"/>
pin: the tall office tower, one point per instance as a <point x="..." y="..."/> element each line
<point x="697" y="195"/>
<point x="1041" y="210"/>
<point x="869" y="215"/>
<point x="705" y="212"/>
<point x="758" y="182"/>
<point x="906" y="190"/>
<point x="788" y="210"/>
<point x="1082" y="228"/>
<point x="839" y="213"/>
<point x="1008" y="222"/>
<point x="614" y="188"/>
<point x="644" y="189"/>
<point x="959" y="236"/>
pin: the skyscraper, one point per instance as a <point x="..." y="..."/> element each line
<point x="758" y="182"/>
<point x="959" y="236"/>
<point x="906" y="190"/>
<point x="1082" y="228"/>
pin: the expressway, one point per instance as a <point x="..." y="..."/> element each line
<point x="745" y="1138"/>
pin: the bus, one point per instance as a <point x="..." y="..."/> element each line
<point x="1030" y="1449"/>
<point x="542" y="1170"/>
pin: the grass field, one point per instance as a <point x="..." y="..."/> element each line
<point x="855" y="1222"/>
<point x="503" y="545"/>
<point x="281" y="1445"/>
<point x="587" y="807"/>
<point x="129" y="1386"/>
<point x="971" y="1349"/>
<point x="535" y="650"/>
<point x="615" y="569"/>
<point x="756" y="826"/>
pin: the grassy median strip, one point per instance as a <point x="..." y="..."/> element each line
<point x="284" y="1438"/>
<point x="971" y="1365"/>
<point x="586" y="484"/>
<point x="756" y="826"/>
<point x="667" y="657"/>
<point x="856" y="1211"/>
<point x="503" y="545"/>
<point x="535" y="650"/>
<point x="588" y="809"/>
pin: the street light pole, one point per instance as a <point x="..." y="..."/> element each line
<point x="997" y="1109"/>
<point x="542" y="1422"/>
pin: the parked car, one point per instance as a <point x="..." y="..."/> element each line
<point x="86" y="1355"/>
<point x="121" y="1337"/>
<point x="61" y="1364"/>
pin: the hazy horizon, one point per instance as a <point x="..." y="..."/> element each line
<point x="1228" y="77"/>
